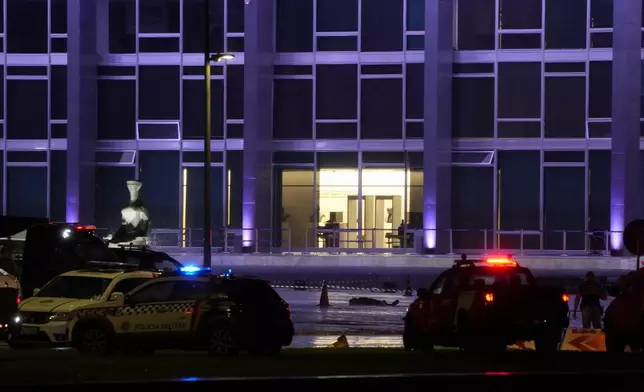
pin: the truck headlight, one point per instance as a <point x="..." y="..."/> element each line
<point x="60" y="317"/>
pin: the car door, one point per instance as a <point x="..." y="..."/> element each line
<point x="443" y="302"/>
<point x="146" y="314"/>
<point x="182" y="311"/>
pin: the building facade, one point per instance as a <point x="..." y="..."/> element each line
<point x="510" y="124"/>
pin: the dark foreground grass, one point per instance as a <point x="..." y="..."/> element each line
<point x="68" y="366"/>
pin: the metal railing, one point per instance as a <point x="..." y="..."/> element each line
<point x="379" y="240"/>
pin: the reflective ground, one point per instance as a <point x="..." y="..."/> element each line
<point x="364" y="326"/>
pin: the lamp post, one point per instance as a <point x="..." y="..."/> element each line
<point x="208" y="59"/>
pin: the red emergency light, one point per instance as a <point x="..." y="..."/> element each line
<point x="85" y="228"/>
<point x="500" y="262"/>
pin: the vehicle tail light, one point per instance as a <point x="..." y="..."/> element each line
<point x="489" y="297"/>
<point x="565" y="297"/>
<point x="288" y="308"/>
<point x="18" y="300"/>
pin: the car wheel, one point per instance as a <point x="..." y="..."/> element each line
<point x="94" y="341"/>
<point x="222" y="342"/>
<point x="548" y="342"/>
<point x="614" y="343"/>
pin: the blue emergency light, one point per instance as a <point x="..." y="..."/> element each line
<point x="193" y="270"/>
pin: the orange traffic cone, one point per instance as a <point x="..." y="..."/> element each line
<point x="408" y="290"/>
<point x="342" y="342"/>
<point x="324" y="297"/>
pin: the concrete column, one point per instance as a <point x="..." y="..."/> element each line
<point x="258" y="118"/>
<point x="625" y="151"/>
<point x="81" y="106"/>
<point x="437" y="172"/>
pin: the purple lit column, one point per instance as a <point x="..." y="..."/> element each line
<point x="258" y="118"/>
<point x="81" y="106"/>
<point x="438" y="124"/>
<point x="625" y="152"/>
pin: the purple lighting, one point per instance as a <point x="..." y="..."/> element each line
<point x="616" y="226"/>
<point x="429" y="225"/>
<point x="71" y="213"/>
<point x="248" y="220"/>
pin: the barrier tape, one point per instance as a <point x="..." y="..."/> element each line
<point x="335" y="287"/>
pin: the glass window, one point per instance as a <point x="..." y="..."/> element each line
<point x="415" y="91"/>
<point x="519" y="87"/>
<point x="600" y="89"/>
<point x="336" y="92"/>
<point x="519" y="129"/>
<point x="519" y="14"/>
<point x="382" y="26"/>
<point x="191" y="291"/>
<point x="159" y="92"/>
<point x="599" y="167"/>
<point x="294" y="25"/>
<point x="415" y="15"/>
<point x="159" y="16"/>
<point x="27" y="191"/>
<point x="122" y="19"/>
<point x="519" y="192"/>
<point x="476" y="24"/>
<point x="566" y="24"/>
<point x="293" y="109"/>
<point x="296" y="201"/>
<point x="127" y="285"/>
<point x="58" y="91"/>
<point x="155" y="292"/>
<point x="79" y="287"/>
<point x="340" y="130"/>
<point x="337" y="44"/>
<point x="381" y="109"/>
<point x="564" y="198"/>
<point x="58" y="16"/>
<point x="601" y="13"/>
<point x="472" y="210"/>
<point x="473" y="107"/>
<point x="236" y="16"/>
<point x="27" y="109"/>
<point x="58" y="186"/>
<point x="520" y="41"/>
<point x="235" y="92"/>
<point x="337" y="15"/>
<point x="27" y="26"/>
<point x="193" y="26"/>
<point x="111" y="195"/>
<point x="193" y="204"/>
<point x="565" y="110"/>
<point x="159" y="173"/>
<point x="193" y="109"/>
<point x="116" y="109"/>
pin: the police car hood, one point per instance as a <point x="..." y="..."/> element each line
<point x="45" y="304"/>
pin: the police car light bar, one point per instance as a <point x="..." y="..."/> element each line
<point x="194" y="270"/>
<point x="501" y="262"/>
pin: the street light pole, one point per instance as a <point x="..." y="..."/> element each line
<point x="207" y="157"/>
<point x="207" y="236"/>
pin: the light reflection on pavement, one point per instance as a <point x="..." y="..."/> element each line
<point x="341" y="318"/>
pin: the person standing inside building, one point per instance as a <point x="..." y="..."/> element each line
<point x="590" y="295"/>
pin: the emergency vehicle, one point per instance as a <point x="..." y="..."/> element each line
<point x="48" y="315"/>
<point x="10" y="296"/>
<point x="46" y="249"/>
<point x="192" y="310"/>
<point x="486" y="305"/>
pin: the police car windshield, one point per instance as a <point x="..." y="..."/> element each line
<point x="77" y="287"/>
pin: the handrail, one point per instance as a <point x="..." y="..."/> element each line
<point x="380" y="240"/>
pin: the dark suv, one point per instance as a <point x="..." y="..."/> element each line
<point x="221" y="314"/>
